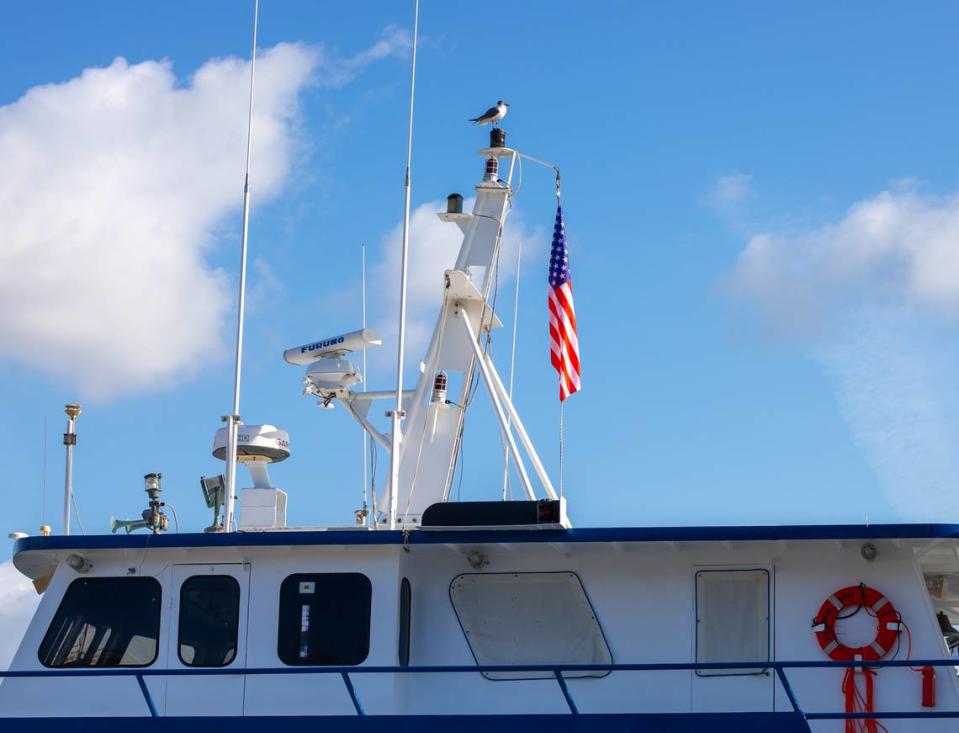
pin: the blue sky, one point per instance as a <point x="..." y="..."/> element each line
<point x="760" y="203"/>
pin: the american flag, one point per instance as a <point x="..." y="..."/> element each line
<point x="563" y="342"/>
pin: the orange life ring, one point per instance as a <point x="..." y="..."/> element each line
<point x="888" y="624"/>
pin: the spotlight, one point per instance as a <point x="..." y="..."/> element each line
<point x="868" y="551"/>
<point x="79" y="563"/>
<point x="477" y="558"/>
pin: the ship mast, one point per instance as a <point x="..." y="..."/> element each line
<point x="398" y="414"/>
<point x="233" y="419"/>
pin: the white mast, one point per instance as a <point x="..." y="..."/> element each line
<point x="69" y="440"/>
<point x="398" y="408"/>
<point x="233" y="418"/>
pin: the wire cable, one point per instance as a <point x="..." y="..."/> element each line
<point x="76" y="511"/>
<point x="176" y="519"/>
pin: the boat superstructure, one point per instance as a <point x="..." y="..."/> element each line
<point x="358" y="629"/>
<point x="477" y="615"/>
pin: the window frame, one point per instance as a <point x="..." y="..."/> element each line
<point x="369" y="618"/>
<point x="97" y="579"/>
<point x="721" y="672"/>
<point x="404" y="636"/>
<point x="236" y="630"/>
<point x="492" y="675"/>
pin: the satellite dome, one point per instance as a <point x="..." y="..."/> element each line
<point x="255" y="443"/>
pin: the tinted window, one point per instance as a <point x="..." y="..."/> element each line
<point x="209" y="620"/>
<point x="404" y="640"/>
<point x="104" y="622"/>
<point x="324" y="619"/>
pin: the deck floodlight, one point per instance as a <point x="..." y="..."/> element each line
<point x="214" y="494"/>
<point x="214" y="490"/>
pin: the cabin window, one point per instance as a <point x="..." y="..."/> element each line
<point x="732" y="619"/>
<point x="209" y="620"/>
<point x="324" y="619"/>
<point x="104" y="622"/>
<point x="403" y="651"/>
<point x="529" y="619"/>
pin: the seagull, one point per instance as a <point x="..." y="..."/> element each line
<point x="493" y="114"/>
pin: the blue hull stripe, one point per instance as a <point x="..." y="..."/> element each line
<point x="428" y="536"/>
<point x="612" y="723"/>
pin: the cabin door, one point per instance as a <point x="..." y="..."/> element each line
<point x="733" y="615"/>
<point x="207" y="630"/>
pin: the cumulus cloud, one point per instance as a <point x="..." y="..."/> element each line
<point x="898" y="248"/>
<point x="18" y="601"/>
<point x="114" y="183"/>
<point x="730" y="190"/>
<point x="434" y="245"/>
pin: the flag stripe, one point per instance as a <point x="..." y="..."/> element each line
<point x="564" y="342"/>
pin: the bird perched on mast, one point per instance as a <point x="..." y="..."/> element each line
<point x="493" y="114"/>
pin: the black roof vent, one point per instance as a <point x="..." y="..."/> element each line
<point x="493" y="514"/>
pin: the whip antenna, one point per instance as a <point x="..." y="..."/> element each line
<point x="366" y="379"/>
<point x="512" y="367"/>
<point x="398" y="409"/>
<point x="233" y="418"/>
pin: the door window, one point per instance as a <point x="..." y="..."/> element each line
<point x="209" y="620"/>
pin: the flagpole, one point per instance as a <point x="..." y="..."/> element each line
<point x="562" y="400"/>
<point x="561" y="405"/>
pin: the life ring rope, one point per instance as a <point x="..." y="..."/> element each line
<point x="888" y="623"/>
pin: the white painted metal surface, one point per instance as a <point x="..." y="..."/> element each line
<point x="214" y="695"/>
<point x="643" y="595"/>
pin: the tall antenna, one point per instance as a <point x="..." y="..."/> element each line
<point x="43" y="478"/>
<point x="512" y="367"/>
<point x="398" y="409"/>
<point x="233" y="418"/>
<point x="366" y="435"/>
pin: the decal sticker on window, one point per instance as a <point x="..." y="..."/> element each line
<point x="304" y="631"/>
<point x="308" y="587"/>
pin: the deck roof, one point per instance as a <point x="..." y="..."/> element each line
<point x="313" y="537"/>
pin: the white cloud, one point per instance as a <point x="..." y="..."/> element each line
<point x="394" y="41"/>
<point x="895" y="391"/>
<point x="114" y="183"/>
<point x="872" y="298"/>
<point x="434" y="245"/>
<point x="898" y="248"/>
<point x="730" y="190"/>
<point x="18" y="601"/>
